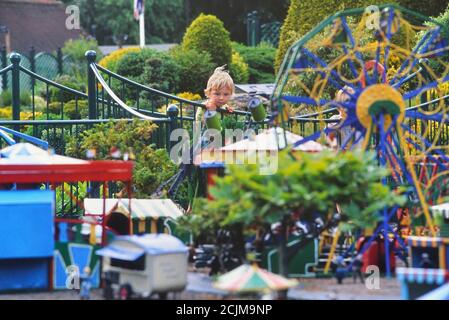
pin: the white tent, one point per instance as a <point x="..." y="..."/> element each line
<point x="273" y="139"/>
<point x="140" y="208"/>
<point x="266" y="142"/>
<point x="27" y="153"/>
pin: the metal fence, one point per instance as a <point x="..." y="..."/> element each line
<point x="48" y="65"/>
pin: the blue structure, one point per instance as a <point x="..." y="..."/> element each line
<point x="26" y="239"/>
<point x="442" y="293"/>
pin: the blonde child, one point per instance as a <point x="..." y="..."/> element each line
<point x="219" y="90"/>
<point x="343" y="95"/>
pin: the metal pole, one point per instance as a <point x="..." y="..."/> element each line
<point x="4" y="62"/>
<point x="91" y="56"/>
<point x="15" y="60"/>
<point x="256" y="28"/>
<point x="32" y="63"/>
<point x="142" y="29"/>
<point x="59" y="60"/>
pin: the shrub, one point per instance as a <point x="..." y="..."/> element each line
<point x="148" y="67"/>
<point x="187" y="109"/>
<point x="289" y="32"/>
<point x="161" y="72"/>
<point x="57" y="94"/>
<point x="260" y="62"/>
<point x="131" y="65"/>
<point x="428" y="8"/>
<point x="6" y="113"/>
<point x="303" y="15"/>
<point x="238" y="69"/>
<point x="71" y="110"/>
<point x="443" y="19"/>
<point x="6" y="98"/>
<point x="152" y="166"/>
<point x="74" y="111"/>
<point x="122" y="134"/>
<point x="207" y="34"/>
<point x="110" y="61"/>
<point x="194" y="69"/>
<point x="76" y="49"/>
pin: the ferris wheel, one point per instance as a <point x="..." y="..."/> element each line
<point x="383" y="73"/>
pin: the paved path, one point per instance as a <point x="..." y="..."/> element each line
<point x="200" y="287"/>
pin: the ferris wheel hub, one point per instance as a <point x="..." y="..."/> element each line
<point x="380" y="99"/>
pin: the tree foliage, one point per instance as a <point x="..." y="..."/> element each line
<point x="207" y="34"/>
<point x="312" y="184"/>
<point x="110" y="20"/>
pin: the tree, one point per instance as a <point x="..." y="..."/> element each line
<point x="431" y="8"/>
<point x="112" y="21"/>
<point x="234" y="13"/>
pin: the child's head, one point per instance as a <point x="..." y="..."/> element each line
<point x="220" y="86"/>
<point x="343" y="95"/>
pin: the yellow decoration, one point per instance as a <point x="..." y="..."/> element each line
<point x="92" y="235"/>
<point x="377" y="93"/>
<point x="154" y="225"/>
<point x="141" y="226"/>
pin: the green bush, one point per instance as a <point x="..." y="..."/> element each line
<point x="57" y="94"/>
<point x="54" y="108"/>
<point x="74" y="111"/>
<point x="152" y="167"/>
<point x="289" y="32"/>
<point x="194" y="69"/>
<point x="132" y="64"/>
<point x="427" y="8"/>
<point x="150" y="68"/>
<point x="207" y="34"/>
<point x="238" y="69"/>
<point x="304" y="15"/>
<point x="260" y="61"/>
<point x="161" y="72"/>
<point x="71" y="110"/>
<point x="6" y="98"/>
<point x="76" y="49"/>
<point x="443" y="19"/>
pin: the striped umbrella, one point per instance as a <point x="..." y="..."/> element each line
<point x="251" y="278"/>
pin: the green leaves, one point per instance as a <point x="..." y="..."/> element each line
<point x="207" y="34"/>
<point x="314" y="184"/>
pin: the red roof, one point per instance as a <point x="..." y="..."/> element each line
<point x="38" y="23"/>
<point x="107" y="170"/>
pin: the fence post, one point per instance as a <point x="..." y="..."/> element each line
<point x="91" y="56"/>
<point x="249" y="28"/>
<point x="256" y="28"/>
<point x="32" y="63"/>
<point x="15" y="60"/>
<point x="253" y="29"/>
<point x="4" y="62"/>
<point x="172" y="112"/>
<point x="59" y="60"/>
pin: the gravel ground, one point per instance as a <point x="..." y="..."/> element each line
<point x="199" y="288"/>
